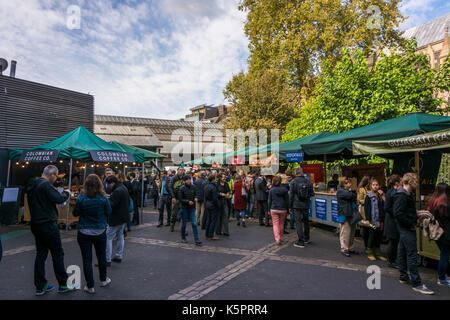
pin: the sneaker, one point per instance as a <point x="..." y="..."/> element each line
<point x="46" y="289"/>
<point x="105" y="283"/>
<point x="238" y="223"/>
<point x="115" y="259"/>
<point x="443" y="282"/>
<point x="299" y="244"/>
<point x="184" y="241"/>
<point x="307" y="242"/>
<point x="159" y="225"/>
<point x="64" y="289"/>
<point x="423" y="289"/>
<point x="243" y="224"/>
<point x="393" y="265"/>
<point x="198" y="243"/>
<point x="346" y="253"/>
<point x="89" y="290"/>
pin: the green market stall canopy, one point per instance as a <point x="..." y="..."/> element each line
<point x="340" y="145"/>
<point x="139" y="154"/>
<point x="428" y="141"/>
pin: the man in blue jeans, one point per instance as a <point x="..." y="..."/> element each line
<point x="186" y="196"/>
<point x="120" y="202"/>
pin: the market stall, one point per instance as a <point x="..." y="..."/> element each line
<point x="439" y="140"/>
<point x="78" y="145"/>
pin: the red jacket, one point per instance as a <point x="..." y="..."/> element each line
<point x="240" y="203"/>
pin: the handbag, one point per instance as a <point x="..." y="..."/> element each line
<point x="356" y="217"/>
<point x="431" y="228"/>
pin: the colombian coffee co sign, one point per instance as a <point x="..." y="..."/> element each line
<point x="39" y="156"/>
<point x="111" y="156"/>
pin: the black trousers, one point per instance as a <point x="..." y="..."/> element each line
<point x="48" y="238"/>
<point x="302" y="224"/>
<point x="365" y="236"/>
<point x="392" y="250"/>
<point x="99" y="242"/>
<point x="374" y="239"/>
<point x="408" y="259"/>
<point x="211" y="218"/>
<point x="136" y="211"/>
<point x="262" y="210"/>
<point x="165" y="201"/>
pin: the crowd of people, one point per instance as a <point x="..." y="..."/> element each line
<point x="393" y="215"/>
<point x="210" y="199"/>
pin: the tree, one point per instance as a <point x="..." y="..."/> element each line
<point x="349" y="95"/>
<point x="262" y="102"/>
<point x="299" y="36"/>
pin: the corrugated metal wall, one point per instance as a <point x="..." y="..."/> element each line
<point x="33" y="113"/>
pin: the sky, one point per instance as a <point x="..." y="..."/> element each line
<point x="144" y="58"/>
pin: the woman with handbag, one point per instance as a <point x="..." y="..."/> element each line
<point x="439" y="206"/>
<point x="346" y="206"/>
<point x="374" y="211"/>
<point x="240" y="199"/>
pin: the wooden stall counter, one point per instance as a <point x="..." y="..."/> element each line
<point x="62" y="212"/>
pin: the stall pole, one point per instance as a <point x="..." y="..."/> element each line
<point x="325" y="168"/>
<point x="68" y="201"/>
<point x="9" y="171"/>
<point x="85" y="169"/>
<point x="417" y="164"/>
<point x="142" y="192"/>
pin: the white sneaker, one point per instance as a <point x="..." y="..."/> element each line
<point x="423" y="289"/>
<point x="89" y="290"/>
<point x="106" y="282"/>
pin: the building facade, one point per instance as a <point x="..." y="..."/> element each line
<point x="178" y="140"/>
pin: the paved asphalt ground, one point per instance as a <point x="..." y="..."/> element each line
<point x="245" y="266"/>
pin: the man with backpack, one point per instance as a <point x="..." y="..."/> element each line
<point x="300" y="193"/>
<point x="175" y="184"/>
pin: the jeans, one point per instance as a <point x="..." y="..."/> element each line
<point x="211" y="217"/>
<point x="408" y="258"/>
<point x="392" y="250"/>
<point x="250" y="204"/>
<point x="240" y="214"/>
<point x="110" y="233"/>
<point x="165" y="201"/>
<point x="302" y="224"/>
<point x="47" y="239"/>
<point x="99" y="242"/>
<point x="292" y="220"/>
<point x="185" y="214"/>
<point x="263" y="214"/>
<point x="443" y="266"/>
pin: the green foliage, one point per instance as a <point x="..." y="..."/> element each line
<point x="262" y="102"/>
<point x="349" y="95"/>
<point x="298" y="37"/>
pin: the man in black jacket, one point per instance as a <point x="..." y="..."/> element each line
<point x="42" y="200"/>
<point x="405" y="215"/>
<point x="199" y="197"/>
<point x="119" y="200"/>
<point x="135" y="188"/>
<point x="187" y="196"/>
<point x="262" y="193"/>
<point x="300" y="193"/>
<point x="211" y="207"/>
<point x="174" y="186"/>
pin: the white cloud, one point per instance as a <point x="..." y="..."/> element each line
<point x="416" y="11"/>
<point x="127" y="56"/>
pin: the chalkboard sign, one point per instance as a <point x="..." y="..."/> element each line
<point x="111" y="156"/>
<point x="39" y="156"/>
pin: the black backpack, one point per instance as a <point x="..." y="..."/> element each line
<point x="303" y="191"/>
